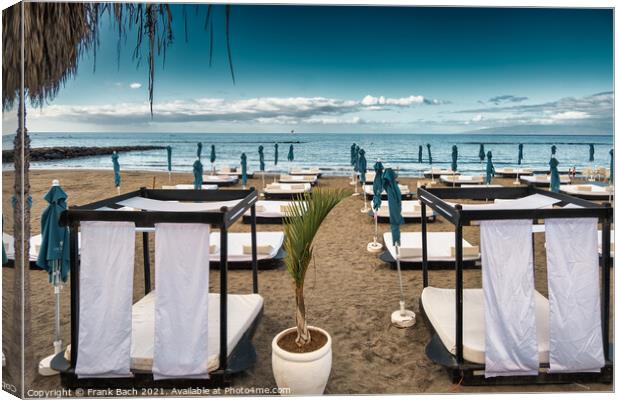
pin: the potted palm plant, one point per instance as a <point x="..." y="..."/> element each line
<point x="302" y="355"/>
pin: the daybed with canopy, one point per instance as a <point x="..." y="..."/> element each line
<point x="588" y="191"/>
<point x="458" y="180"/>
<point x="311" y="179"/>
<point x="306" y="171"/>
<point x="220" y="180"/>
<point x="411" y="212"/>
<point x="542" y="180"/>
<point x="170" y="337"/>
<point x="507" y="332"/>
<point x="284" y="191"/>
<point x="508" y="172"/>
<point x="436" y="172"/>
<point x="404" y="190"/>
<point x="270" y="211"/>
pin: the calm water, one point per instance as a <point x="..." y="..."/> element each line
<point x="328" y="151"/>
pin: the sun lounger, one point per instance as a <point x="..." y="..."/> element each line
<point x="283" y="191"/>
<point x="411" y="212"/>
<point x="436" y="172"/>
<point x="9" y="243"/>
<point x="311" y="179"/>
<point x="234" y="171"/>
<point x="188" y="187"/>
<point x="508" y="172"/>
<point x="243" y="311"/>
<point x="438" y="306"/>
<point x="440" y="250"/>
<point x="587" y="191"/>
<point x="457" y="180"/>
<point x="220" y="180"/>
<point x="542" y="180"/>
<point x="404" y="191"/>
<point x="269" y="249"/>
<point x="306" y="171"/>
<point x="269" y="211"/>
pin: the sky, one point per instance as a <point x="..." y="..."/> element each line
<point x="351" y="69"/>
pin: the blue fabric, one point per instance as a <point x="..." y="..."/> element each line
<point x="275" y="157"/>
<point x="291" y="155"/>
<point x="353" y="150"/>
<point x="430" y="157"/>
<point x="553" y="150"/>
<point x="591" y="153"/>
<point x="555" y="175"/>
<point x="54" y="238"/>
<point x="356" y="159"/>
<point x="394" y="203"/>
<point x="244" y="169"/>
<point x="197" y="171"/>
<point x="117" y="170"/>
<point x="455" y="154"/>
<point x="377" y="185"/>
<point x="361" y="166"/>
<point x="481" y="152"/>
<point x="169" y="151"/>
<point x="261" y="157"/>
<point x="212" y="155"/>
<point x="490" y="168"/>
<point x="199" y="150"/>
<point x="520" y="153"/>
<point x="420" y="154"/>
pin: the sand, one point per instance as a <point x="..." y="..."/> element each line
<point x="349" y="292"/>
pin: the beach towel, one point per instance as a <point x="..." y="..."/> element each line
<point x="509" y="308"/>
<point x="182" y="301"/>
<point x="575" y="334"/>
<point x="106" y="293"/>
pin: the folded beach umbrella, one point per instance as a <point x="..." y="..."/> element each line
<point x="117" y="171"/>
<point x="353" y="152"/>
<point x="520" y="153"/>
<point x="361" y="166"/>
<point x="261" y="157"/>
<point x="291" y="154"/>
<point x="591" y="153"/>
<point x="377" y="185"/>
<point x="553" y="150"/>
<point x="212" y="155"/>
<point x="197" y="171"/>
<point x="401" y="318"/>
<point x="555" y="175"/>
<point x="244" y="170"/>
<point x="420" y="154"/>
<point x="169" y="154"/>
<point x="611" y="166"/>
<point x="430" y="157"/>
<point x="199" y="150"/>
<point x="455" y="155"/>
<point x="275" y="157"/>
<point x="5" y="259"/>
<point x="54" y="257"/>
<point x="481" y="153"/>
<point x="490" y="168"/>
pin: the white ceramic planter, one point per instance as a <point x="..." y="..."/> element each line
<point x="302" y="373"/>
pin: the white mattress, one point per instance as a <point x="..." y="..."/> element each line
<point x="520" y="171"/>
<point x="541" y="179"/>
<point x="270" y="208"/>
<point x="236" y="241"/>
<point x="596" y="190"/>
<point x="307" y="171"/>
<point x="461" y="179"/>
<point x="439" y="305"/>
<point x="242" y="311"/>
<point x="439" y="246"/>
<point x="404" y="189"/>
<point x="219" y="178"/>
<point x="146" y="204"/>
<point x="408" y="210"/>
<point x="478" y="185"/>
<point x="189" y="186"/>
<point x="9" y="248"/>
<point x="297" y="178"/>
<point x="530" y="202"/>
<point x="287" y="188"/>
<point x="440" y="171"/>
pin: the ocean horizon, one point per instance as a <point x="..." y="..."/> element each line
<point x="329" y="151"/>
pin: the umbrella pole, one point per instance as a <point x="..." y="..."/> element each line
<point x="402" y="318"/>
<point x="45" y="364"/>
<point x="355" y="183"/>
<point x="374" y="246"/>
<point x="365" y="209"/>
<point x="169" y="176"/>
<point x="118" y="190"/>
<point x="516" y="182"/>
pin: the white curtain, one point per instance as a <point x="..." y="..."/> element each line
<point x="575" y="335"/>
<point x="106" y="291"/>
<point x="509" y="307"/>
<point x="181" y="303"/>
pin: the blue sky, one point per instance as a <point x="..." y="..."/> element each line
<point x="353" y="69"/>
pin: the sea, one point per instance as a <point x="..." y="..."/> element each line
<point x="329" y="151"/>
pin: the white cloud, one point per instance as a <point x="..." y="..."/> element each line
<point x="567" y="115"/>
<point x="477" y="118"/>
<point x="135" y="85"/>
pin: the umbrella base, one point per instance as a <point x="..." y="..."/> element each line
<point x="355" y="194"/>
<point x="44" y="366"/>
<point x="364" y="210"/>
<point x="403" y="319"/>
<point x="374" y="247"/>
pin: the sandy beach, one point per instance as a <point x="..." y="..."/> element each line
<point x="350" y="293"/>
